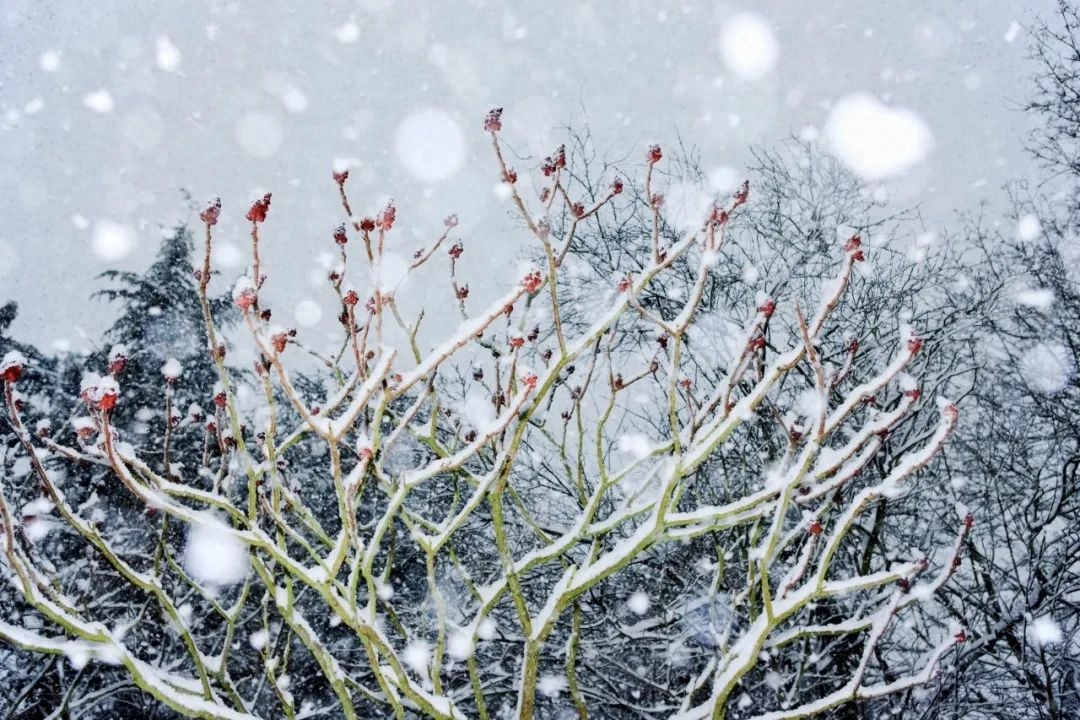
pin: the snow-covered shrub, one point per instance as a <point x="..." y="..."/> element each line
<point x="481" y="527"/>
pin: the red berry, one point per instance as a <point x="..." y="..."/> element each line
<point x="340" y="176"/>
<point x="246" y="298"/>
<point x="493" y="121"/>
<point x="367" y="224"/>
<point x="385" y="220"/>
<point x="108" y="400"/>
<point x="258" y="210"/>
<point x="815" y="527"/>
<point x="655" y="154"/>
<point x="339" y="235"/>
<point x="531" y="283"/>
<point x="11" y="366"/>
<point x="211" y="213"/>
<point x="560" y="156"/>
<point x="743" y="194"/>
<point x="279" y="341"/>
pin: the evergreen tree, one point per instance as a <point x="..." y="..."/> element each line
<point x="158" y="334"/>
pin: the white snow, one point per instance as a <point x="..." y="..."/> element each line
<point x="876" y="141"/>
<point x="242" y="285"/>
<point x="479" y="412"/>
<point x="748" y="46"/>
<point x="259" y="134"/>
<point x="638" y="603"/>
<point x="724" y="179"/>
<point x="294" y="100"/>
<point x="486" y="629"/>
<point x="430" y="144"/>
<point x="1038" y="298"/>
<point x="214" y="555"/>
<point x="389" y="272"/>
<point x="551" y="685"/>
<point x="226" y="254"/>
<point x="308" y="313"/>
<point x="172" y="369"/>
<point x="636" y="445"/>
<point x="167" y="54"/>
<point x="112" y="241"/>
<point x="1028" y="228"/>
<point x="100" y="101"/>
<point x="687" y="205"/>
<point x="347" y="33"/>
<point x="1044" y="631"/>
<point x="1047" y="367"/>
<point x="385" y="591"/>
<point x="49" y="61"/>
<point x="259" y="638"/>
<point x="1013" y="32"/>
<point x="417" y="655"/>
<point x="460" y="646"/>
<point x="11" y="359"/>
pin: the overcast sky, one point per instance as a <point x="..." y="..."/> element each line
<point x="108" y="109"/>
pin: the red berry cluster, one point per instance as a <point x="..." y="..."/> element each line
<point x="211" y="213"/>
<point x="259" y="208"/>
<point x="493" y="121"/>
<point x="742" y="194"/>
<point x="532" y="282"/>
<point x="385" y="219"/>
<point x="854" y="248"/>
<point x="339" y="235"/>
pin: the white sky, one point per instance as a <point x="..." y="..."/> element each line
<point x="265" y="96"/>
